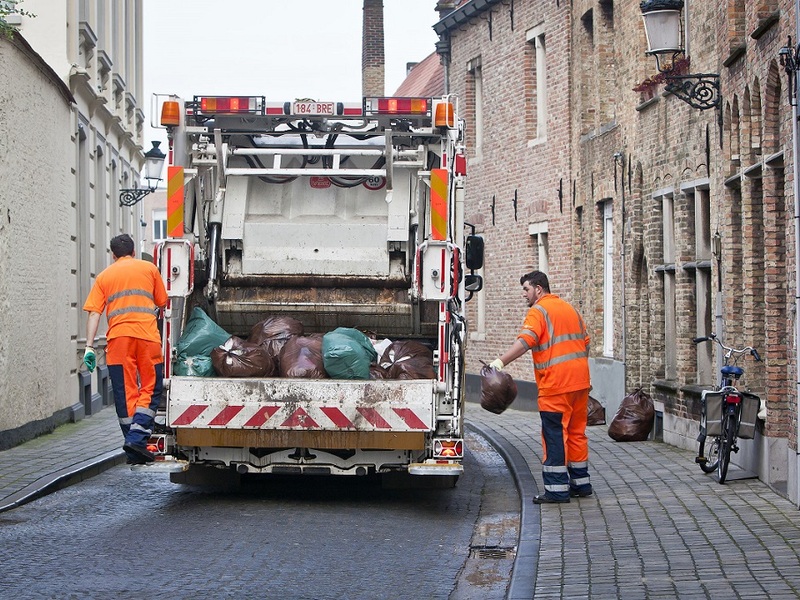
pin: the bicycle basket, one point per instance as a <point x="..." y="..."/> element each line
<point x="711" y="412"/>
<point x="747" y="424"/>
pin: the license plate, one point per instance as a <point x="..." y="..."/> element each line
<point x="313" y="108"/>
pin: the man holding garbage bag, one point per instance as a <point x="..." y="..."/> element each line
<point x="556" y="335"/>
<point x="131" y="292"/>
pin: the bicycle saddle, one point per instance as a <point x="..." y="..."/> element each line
<point x="732" y="371"/>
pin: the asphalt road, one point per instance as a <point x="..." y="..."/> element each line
<point x="124" y="534"/>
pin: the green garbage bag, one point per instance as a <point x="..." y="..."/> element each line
<point x="200" y="336"/>
<point x="347" y="354"/>
<point x="194" y="366"/>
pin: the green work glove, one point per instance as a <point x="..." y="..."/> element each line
<point x="89" y="359"/>
<point x="497" y="364"/>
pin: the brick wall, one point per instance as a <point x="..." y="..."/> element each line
<point x="740" y="154"/>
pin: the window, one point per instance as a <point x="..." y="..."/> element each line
<point x="667" y="270"/>
<point x="702" y="219"/>
<point x="608" y="278"/>
<point x="536" y="37"/>
<point x="159" y="225"/>
<point x="476" y="73"/>
<point x="539" y="233"/>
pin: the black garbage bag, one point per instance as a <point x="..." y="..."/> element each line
<point x="498" y="390"/>
<point x="634" y="419"/>
<point x="597" y="413"/>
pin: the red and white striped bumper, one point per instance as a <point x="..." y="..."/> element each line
<point x="328" y="405"/>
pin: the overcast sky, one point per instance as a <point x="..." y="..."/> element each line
<point x="280" y="49"/>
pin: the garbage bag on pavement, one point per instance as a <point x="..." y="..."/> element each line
<point x="597" y="412"/>
<point x="634" y="419"/>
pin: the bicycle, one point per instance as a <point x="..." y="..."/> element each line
<point x="722" y="411"/>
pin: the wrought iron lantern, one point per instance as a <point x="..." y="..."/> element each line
<point x="662" y="24"/>
<point x="153" y="165"/>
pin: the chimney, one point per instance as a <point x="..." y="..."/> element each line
<point x="372" y="57"/>
<point x="445" y="7"/>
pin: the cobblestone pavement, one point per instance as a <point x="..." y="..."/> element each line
<point x="657" y="527"/>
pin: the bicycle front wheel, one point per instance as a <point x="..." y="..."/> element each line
<point x="727" y="440"/>
<point x="712" y="456"/>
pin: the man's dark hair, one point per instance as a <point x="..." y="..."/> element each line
<point x="536" y="278"/>
<point x="122" y="245"/>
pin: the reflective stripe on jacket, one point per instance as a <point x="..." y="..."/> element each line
<point x="559" y="343"/>
<point x="130" y="291"/>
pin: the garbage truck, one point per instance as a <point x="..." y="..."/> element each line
<point x="338" y="216"/>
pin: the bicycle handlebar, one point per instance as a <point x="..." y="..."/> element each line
<point x="712" y="337"/>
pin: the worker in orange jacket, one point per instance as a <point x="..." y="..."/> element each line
<point x="555" y="334"/>
<point x="131" y="292"/>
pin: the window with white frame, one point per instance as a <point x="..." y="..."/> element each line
<point x="476" y="71"/>
<point x="667" y="270"/>
<point x="608" y="278"/>
<point x="159" y="225"/>
<point x="536" y="37"/>
<point x="701" y="269"/>
<point x="538" y="231"/>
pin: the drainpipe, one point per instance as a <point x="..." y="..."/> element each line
<point x="619" y="158"/>
<point x="796" y="192"/>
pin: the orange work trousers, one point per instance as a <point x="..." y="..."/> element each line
<point x="565" y="447"/>
<point x="136" y="368"/>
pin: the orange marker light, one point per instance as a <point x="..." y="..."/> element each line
<point x="170" y="113"/>
<point x="445" y="116"/>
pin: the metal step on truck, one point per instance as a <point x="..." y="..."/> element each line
<point x="338" y="216"/>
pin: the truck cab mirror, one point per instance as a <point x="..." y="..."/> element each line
<point x="473" y="283"/>
<point x="474" y="252"/>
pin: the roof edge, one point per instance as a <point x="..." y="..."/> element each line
<point x="461" y="15"/>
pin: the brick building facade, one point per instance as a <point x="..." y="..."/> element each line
<point x="658" y="220"/>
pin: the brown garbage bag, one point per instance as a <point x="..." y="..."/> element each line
<point x="498" y="390"/>
<point x="377" y="372"/>
<point x="634" y="419"/>
<point x="407" y="360"/>
<point x="274" y="332"/>
<point x="597" y="412"/>
<point x="238" y="358"/>
<point x="301" y="357"/>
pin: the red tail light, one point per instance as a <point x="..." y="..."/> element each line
<point x="733" y="398"/>
<point x="448" y="449"/>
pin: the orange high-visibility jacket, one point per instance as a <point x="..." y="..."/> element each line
<point x="556" y="335"/>
<point x="130" y="290"/>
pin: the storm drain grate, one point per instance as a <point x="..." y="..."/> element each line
<point x="492" y="552"/>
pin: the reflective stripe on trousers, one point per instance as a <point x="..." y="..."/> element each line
<point x="564" y="443"/>
<point x="136" y="369"/>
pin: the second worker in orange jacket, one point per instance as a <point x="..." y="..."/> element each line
<point x="555" y="334"/>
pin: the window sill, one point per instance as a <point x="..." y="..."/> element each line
<point x="764" y="24"/>
<point x="537" y="142"/>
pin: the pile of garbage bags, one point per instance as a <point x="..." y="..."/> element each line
<point x="278" y="347"/>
